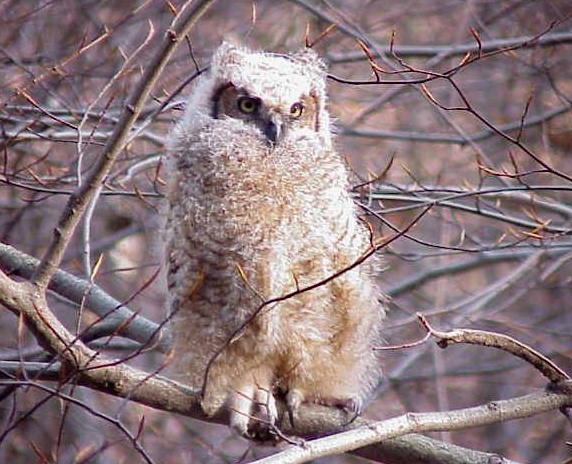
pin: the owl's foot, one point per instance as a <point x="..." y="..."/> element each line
<point x="253" y="413"/>
<point x="353" y="406"/>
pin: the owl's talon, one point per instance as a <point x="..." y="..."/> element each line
<point x="353" y="408"/>
<point x="253" y="412"/>
<point x="293" y="401"/>
<point x="240" y="426"/>
<point x="291" y="416"/>
<point x="263" y="433"/>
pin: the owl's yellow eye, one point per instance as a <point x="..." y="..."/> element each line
<point x="247" y="105"/>
<point x="296" y="110"/>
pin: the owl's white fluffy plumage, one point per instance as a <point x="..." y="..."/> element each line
<point x="248" y="221"/>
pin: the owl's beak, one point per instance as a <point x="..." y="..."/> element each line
<point x="274" y="129"/>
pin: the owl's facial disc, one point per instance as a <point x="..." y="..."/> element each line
<point x="274" y="119"/>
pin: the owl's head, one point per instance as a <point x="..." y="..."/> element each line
<point x="275" y="93"/>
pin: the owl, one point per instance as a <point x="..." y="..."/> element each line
<point x="262" y="238"/>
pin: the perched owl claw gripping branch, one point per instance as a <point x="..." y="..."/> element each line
<point x="258" y="207"/>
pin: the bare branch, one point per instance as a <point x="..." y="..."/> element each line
<point x="429" y="51"/>
<point x="183" y="22"/>
<point x="483" y="259"/>
<point x="503" y="342"/>
<point x="493" y="412"/>
<point x="433" y="137"/>
<point x="119" y="379"/>
<point x="116" y="318"/>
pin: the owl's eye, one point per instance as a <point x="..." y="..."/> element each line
<point x="296" y="110"/>
<point x="247" y="105"/>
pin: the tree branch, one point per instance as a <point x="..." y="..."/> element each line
<point x="182" y="23"/>
<point x="85" y="366"/>
<point x="312" y="419"/>
<point x="503" y="342"/>
<point x="490" y="413"/>
<point x="429" y="51"/>
<point x="116" y="318"/>
<point x="433" y="137"/>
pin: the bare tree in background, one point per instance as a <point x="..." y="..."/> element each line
<point x="456" y="118"/>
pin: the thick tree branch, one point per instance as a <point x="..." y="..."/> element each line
<point x="167" y="395"/>
<point x="415" y="448"/>
<point x="491" y="413"/>
<point x="482" y="259"/>
<point x="116" y="318"/>
<point x="85" y="366"/>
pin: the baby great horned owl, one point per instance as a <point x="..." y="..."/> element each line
<point x="258" y="208"/>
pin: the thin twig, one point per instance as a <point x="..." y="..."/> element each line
<point x="429" y="51"/>
<point x="189" y="15"/>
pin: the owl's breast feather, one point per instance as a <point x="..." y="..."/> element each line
<point x="231" y="174"/>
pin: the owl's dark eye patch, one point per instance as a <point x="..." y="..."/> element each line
<point x="248" y="105"/>
<point x="297" y="110"/>
<point x="218" y="98"/>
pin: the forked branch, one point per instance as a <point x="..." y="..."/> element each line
<point x="77" y="203"/>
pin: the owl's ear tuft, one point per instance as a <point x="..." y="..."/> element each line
<point x="229" y="52"/>
<point x="309" y="57"/>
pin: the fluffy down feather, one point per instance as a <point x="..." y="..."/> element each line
<point x="248" y="221"/>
